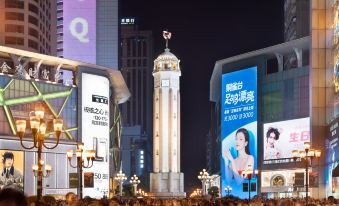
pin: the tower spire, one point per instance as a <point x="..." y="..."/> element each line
<point x="167" y="35"/>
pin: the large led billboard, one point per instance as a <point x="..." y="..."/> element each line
<point x="79" y="30"/>
<point x="281" y="138"/>
<point x="95" y="133"/>
<point x="332" y="160"/>
<point x="239" y="130"/>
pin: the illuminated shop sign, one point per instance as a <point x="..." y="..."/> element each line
<point x="95" y="133"/>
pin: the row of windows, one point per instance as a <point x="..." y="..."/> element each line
<point x="136" y="47"/>
<point x="20" y="41"/>
<point x="14" y="40"/>
<point x="14" y="4"/>
<point x="133" y="63"/>
<point x="14" y="28"/>
<point x="14" y="16"/>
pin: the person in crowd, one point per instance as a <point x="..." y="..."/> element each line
<point x="71" y="199"/>
<point x="12" y="197"/>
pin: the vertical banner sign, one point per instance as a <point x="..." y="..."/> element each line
<point x="79" y="30"/>
<point x="239" y="130"/>
<point x="95" y="133"/>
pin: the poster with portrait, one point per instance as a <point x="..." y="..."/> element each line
<point x="12" y="169"/>
<point x="281" y="138"/>
<point x="239" y="130"/>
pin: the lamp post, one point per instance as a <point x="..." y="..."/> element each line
<point x="203" y="177"/>
<point x="307" y="156"/>
<point x="120" y="177"/>
<point x="89" y="156"/>
<point x="228" y="190"/>
<point x="249" y="175"/>
<point x="135" y="181"/>
<point x="38" y="128"/>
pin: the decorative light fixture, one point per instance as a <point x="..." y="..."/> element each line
<point x="307" y="155"/>
<point x="89" y="156"/>
<point x="38" y="129"/>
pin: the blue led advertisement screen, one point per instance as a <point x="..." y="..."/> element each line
<point x="239" y="131"/>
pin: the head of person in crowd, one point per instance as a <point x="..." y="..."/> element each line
<point x="12" y="197"/>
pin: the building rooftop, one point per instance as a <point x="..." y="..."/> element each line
<point x="268" y="53"/>
<point x="121" y="91"/>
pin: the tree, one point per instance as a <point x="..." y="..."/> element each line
<point x="213" y="191"/>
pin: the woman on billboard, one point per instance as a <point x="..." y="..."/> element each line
<point x="244" y="160"/>
<point x="271" y="150"/>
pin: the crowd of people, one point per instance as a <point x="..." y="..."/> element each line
<point x="11" y="197"/>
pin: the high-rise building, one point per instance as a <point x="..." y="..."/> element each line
<point x="296" y="19"/>
<point x="137" y="64"/>
<point x="296" y="25"/>
<point x="88" y="31"/>
<point x="28" y="25"/>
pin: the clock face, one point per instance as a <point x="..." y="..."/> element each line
<point x="165" y="83"/>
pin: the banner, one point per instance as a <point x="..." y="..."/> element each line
<point x="239" y="130"/>
<point x="281" y="138"/>
<point x="95" y="133"/>
<point x="79" y="30"/>
<point x="12" y="170"/>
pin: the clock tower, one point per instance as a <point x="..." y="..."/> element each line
<point x="166" y="179"/>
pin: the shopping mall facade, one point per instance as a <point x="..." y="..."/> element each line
<point x="295" y="87"/>
<point x="88" y="104"/>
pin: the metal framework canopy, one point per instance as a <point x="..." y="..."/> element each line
<point x="30" y="65"/>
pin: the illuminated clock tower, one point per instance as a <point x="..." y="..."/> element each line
<point x="166" y="179"/>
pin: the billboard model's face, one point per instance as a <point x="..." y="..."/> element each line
<point x="240" y="141"/>
<point x="9" y="162"/>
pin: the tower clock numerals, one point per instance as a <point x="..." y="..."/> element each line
<point x="165" y="83"/>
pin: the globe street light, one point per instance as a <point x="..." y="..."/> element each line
<point x="120" y="177"/>
<point x="228" y="190"/>
<point x="204" y="177"/>
<point x="306" y="155"/>
<point x="89" y="155"/>
<point x="249" y="175"/>
<point x="38" y="128"/>
<point x="135" y="181"/>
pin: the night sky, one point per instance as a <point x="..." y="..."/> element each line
<point x="202" y="33"/>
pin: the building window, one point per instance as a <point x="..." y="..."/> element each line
<point x="14" y="28"/>
<point x="14" y="40"/>
<point x="33" y="44"/>
<point x="33" y="32"/>
<point x="14" y="16"/>
<point x="14" y="4"/>
<point x="33" y="20"/>
<point x="33" y="9"/>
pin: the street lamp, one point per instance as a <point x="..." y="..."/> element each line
<point x="204" y="177"/>
<point x="249" y="175"/>
<point x="89" y="156"/>
<point x="38" y="128"/>
<point x="120" y="177"/>
<point x="228" y="190"/>
<point x="135" y="181"/>
<point x="307" y="156"/>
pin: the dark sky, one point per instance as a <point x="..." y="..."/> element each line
<point x="202" y="33"/>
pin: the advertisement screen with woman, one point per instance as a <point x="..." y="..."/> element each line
<point x="281" y="138"/>
<point x="239" y="130"/>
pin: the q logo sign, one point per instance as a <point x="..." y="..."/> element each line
<point x="81" y="35"/>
